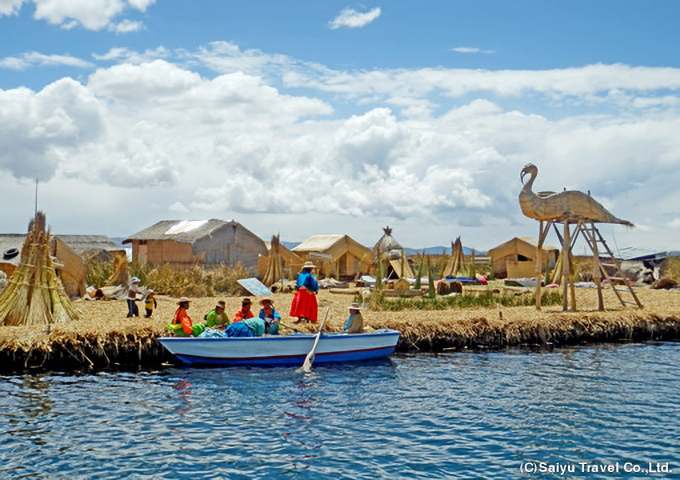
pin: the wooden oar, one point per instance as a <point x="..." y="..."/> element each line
<point x="307" y="366"/>
<point x="290" y="328"/>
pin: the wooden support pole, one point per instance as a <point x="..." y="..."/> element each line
<point x="597" y="268"/>
<point x="542" y="234"/>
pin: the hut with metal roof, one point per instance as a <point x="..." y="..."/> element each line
<point x="183" y="243"/>
<point x="516" y="258"/>
<point x="337" y="255"/>
<point x="393" y="254"/>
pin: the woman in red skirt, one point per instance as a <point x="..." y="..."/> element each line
<point x="304" y="305"/>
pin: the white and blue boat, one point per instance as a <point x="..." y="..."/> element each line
<point x="278" y="350"/>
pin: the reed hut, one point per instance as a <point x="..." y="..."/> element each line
<point x="34" y="294"/>
<point x="397" y="263"/>
<point x="201" y="242"/>
<point x="69" y="264"/>
<point x="516" y="258"/>
<point x="337" y="255"/>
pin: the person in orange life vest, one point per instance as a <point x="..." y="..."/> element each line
<point x="181" y="322"/>
<point x="304" y="304"/>
<point x="244" y="311"/>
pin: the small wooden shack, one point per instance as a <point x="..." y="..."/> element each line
<point x="516" y="258"/>
<point x="197" y="242"/>
<point x="337" y="255"/>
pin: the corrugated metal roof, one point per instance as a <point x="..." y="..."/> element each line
<point x="318" y="243"/>
<point x="182" y="231"/>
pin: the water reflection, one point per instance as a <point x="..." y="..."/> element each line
<point x="457" y="415"/>
<point x="29" y="417"/>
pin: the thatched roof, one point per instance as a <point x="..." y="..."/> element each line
<point x="182" y="231"/>
<point x="388" y="245"/>
<point x="85" y="243"/>
<point x="188" y="231"/>
<point x="334" y="245"/>
<point x="532" y="242"/>
<point x="78" y="243"/>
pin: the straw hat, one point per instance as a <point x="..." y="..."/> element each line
<point x="183" y="300"/>
<point x="354" y="306"/>
<point x="308" y="264"/>
<point x="221" y="304"/>
<point x="267" y="299"/>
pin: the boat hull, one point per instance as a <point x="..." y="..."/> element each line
<point x="282" y="349"/>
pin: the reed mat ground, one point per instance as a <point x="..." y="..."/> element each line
<point x="104" y="338"/>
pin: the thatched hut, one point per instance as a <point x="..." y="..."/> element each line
<point x="337" y="255"/>
<point x="516" y="258"/>
<point x="201" y="242"/>
<point x="390" y="251"/>
<point x="69" y="263"/>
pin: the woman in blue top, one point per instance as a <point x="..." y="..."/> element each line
<point x="304" y="305"/>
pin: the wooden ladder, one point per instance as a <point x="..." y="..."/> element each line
<point x="606" y="259"/>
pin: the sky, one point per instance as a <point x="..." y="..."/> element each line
<point x="324" y="116"/>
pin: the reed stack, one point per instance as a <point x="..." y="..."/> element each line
<point x="34" y="294"/>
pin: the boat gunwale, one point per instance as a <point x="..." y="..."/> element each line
<point x="304" y="336"/>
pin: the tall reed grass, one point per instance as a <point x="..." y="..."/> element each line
<point x="380" y="302"/>
<point x="196" y="281"/>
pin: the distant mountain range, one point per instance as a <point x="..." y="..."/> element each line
<point x="410" y="251"/>
<point x="440" y="251"/>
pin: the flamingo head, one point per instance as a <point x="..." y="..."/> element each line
<point x="529" y="169"/>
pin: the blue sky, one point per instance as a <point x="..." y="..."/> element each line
<point x="338" y="117"/>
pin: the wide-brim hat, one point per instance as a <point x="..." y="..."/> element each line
<point x="354" y="306"/>
<point x="221" y="304"/>
<point x="308" y="264"/>
<point x="266" y="299"/>
<point x="183" y="300"/>
<point x="246" y="300"/>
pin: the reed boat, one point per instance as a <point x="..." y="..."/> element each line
<point x="278" y="350"/>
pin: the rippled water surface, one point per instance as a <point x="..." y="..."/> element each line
<point x="459" y="415"/>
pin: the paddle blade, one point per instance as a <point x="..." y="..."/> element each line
<point x="307" y="366"/>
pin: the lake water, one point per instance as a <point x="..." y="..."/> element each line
<point x="458" y="415"/>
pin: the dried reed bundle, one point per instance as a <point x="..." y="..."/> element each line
<point x="273" y="273"/>
<point x="34" y="294"/>
<point x="120" y="274"/>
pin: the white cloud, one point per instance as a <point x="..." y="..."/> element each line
<point x="157" y="133"/>
<point x="674" y="224"/>
<point x="471" y="50"/>
<point x="124" y="55"/>
<point x="10" y="7"/>
<point x="178" y="207"/>
<point x="352" y="19"/>
<point x="34" y="58"/>
<point x="584" y="82"/>
<point x="43" y="129"/>
<point x="126" y="26"/>
<point x="90" y="14"/>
